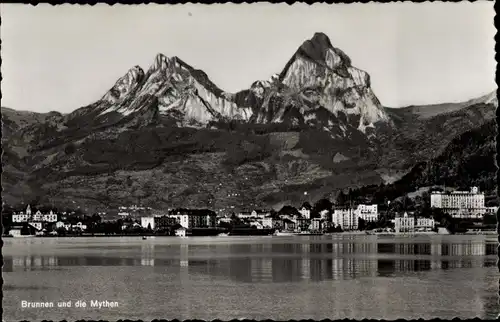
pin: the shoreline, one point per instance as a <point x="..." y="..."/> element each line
<point x="353" y="233"/>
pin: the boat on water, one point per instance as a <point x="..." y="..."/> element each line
<point x="223" y="234"/>
<point x="144" y="238"/>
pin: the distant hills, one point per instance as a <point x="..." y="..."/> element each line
<point x="169" y="137"/>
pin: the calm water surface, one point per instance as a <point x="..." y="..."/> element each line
<point x="281" y="278"/>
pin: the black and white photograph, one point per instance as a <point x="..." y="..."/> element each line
<point x="251" y="161"/>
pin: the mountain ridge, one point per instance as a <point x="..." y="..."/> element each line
<point x="169" y="136"/>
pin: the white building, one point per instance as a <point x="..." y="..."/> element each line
<point x="37" y="225"/>
<point x="305" y="211"/>
<point x="148" y="222"/>
<point x="257" y="224"/>
<point x="15" y="232"/>
<point x="181" y="232"/>
<point x="367" y="212"/>
<point x="267" y="222"/>
<point x="81" y="226"/>
<point x="22" y="217"/>
<point x="315" y="224"/>
<point x="460" y="203"/>
<point x="37" y="216"/>
<point x="254" y="214"/>
<point x="183" y="220"/>
<point x="224" y="219"/>
<point x="50" y="217"/>
<point x="404" y="224"/>
<point x="345" y="218"/>
<point x="425" y="223"/>
<point x="324" y="215"/>
<point x="491" y="210"/>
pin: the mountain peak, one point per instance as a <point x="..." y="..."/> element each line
<point x="125" y="84"/>
<point x="162" y="62"/>
<point x="135" y="71"/>
<point x="319" y="49"/>
<point x="319" y="39"/>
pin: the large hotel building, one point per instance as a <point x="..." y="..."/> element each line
<point x="461" y="204"/>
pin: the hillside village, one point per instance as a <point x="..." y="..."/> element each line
<point x="453" y="211"/>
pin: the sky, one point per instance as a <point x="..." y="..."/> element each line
<point x="60" y="58"/>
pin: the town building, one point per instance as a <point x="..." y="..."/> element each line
<point x="346" y="218"/>
<point x="267" y="222"/>
<point x="164" y="222"/>
<point x="223" y="219"/>
<point x="302" y="223"/>
<point x="316" y="224"/>
<point x="278" y="223"/>
<point x="424" y="224"/>
<point x="256" y="224"/>
<point x="491" y="210"/>
<point x="367" y="212"/>
<point x="305" y="210"/>
<point x="23" y="229"/>
<point x="38" y="225"/>
<point x="288" y="225"/>
<point x="15" y="231"/>
<point x="254" y="214"/>
<point x="460" y="204"/>
<point x="325" y="215"/>
<point x="180" y="232"/>
<point x="148" y="222"/>
<point x="130" y="225"/>
<point x="404" y="223"/>
<point x="36" y="217"/>
<point x="50" y="217"/>
<point x="22" y="217"/>
<point x="195" y="218"/>
<point x="79" y="226"/>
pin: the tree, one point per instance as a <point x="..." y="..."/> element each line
<point x="322" y="204"/>
<point x="235" y="220"/>
<point x="225" y="225"/>
<point x="61" y="231"/>
<point x="408" y="204"/>
<point x="489" y="219"/>
<point x="341" y="199"/>
<point x="288" y="210"/>
<point x="361" y="224"/>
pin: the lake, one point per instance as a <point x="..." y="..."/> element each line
<point x="280" y="278"/>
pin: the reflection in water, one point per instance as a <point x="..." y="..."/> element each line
<point x="273" y="266"/>
<point x="148" y="254"/>
<point x="286" y="262"/>
<point x="184" y="261"/>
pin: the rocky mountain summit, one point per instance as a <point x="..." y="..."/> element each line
<point x="170" y="137"/>
<point x="317" y="88"/>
